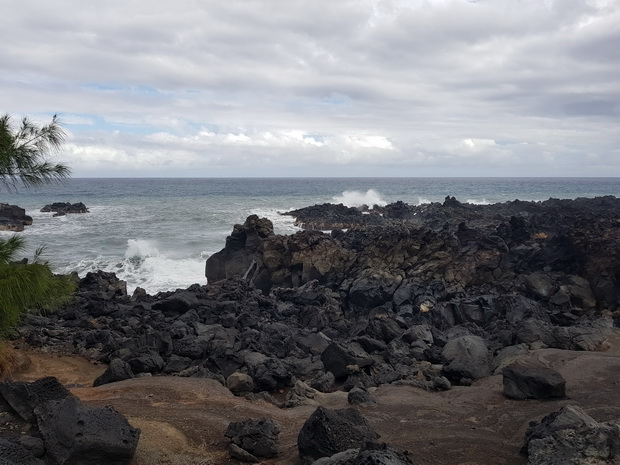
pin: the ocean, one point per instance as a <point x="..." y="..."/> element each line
<point x="156" y="233"/>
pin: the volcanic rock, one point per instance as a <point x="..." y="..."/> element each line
<point x="13" y="218"/>
<point x="328" y="432"/>
<point x="524" y="382"/>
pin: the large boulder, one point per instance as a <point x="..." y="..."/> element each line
<point x="257" y="437"/>
<point x="466" y="357"/>
<point x="13" y="218"/>
<point x="328" y="432"/>
<point x="570" y="436"/>
<point x="523" y="382"/>
<point x="24" y="397"/>
<point x="64" y="208"/>
<point x="77" y="434"/>
<point x="118" y="370"/>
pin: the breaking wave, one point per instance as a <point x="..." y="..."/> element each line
<point x="357" y="198"/>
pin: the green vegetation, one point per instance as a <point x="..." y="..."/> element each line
<point x="25" y="151"/>
<point x="24" y="159"/>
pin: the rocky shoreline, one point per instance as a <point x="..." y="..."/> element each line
<point x="428" y="297"/>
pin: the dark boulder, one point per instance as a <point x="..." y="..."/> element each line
<point x="76" y="434"/>
<point x="466" y="357"/>
<point x="328" y="432"/>
<point x="118" y="370"/>
<point x="523" y="382"/>
<point x="570" y="436"/>
<point x="258" y="437"/>
<point x="359" y="395"/>
<point x="339" y="361"/>
<point x="13" y="218"/>
<point x="64" y="208"/>
<point x="24" y="397"/>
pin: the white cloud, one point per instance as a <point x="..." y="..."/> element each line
<point x="300" y="85"/>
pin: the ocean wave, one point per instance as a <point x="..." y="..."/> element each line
<point x="358" y="198"/>
<point x="145" y="266"/>
<point x="478" y="202"/>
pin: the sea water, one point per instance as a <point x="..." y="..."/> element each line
<point x="157" y="233"/>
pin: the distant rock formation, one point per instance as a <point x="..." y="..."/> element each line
<point x="13" y="218"/>
<point x="64" y="208"/>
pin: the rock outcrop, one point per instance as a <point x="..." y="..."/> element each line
<point x="65" y="208"/>
<point x="13" y="218"/>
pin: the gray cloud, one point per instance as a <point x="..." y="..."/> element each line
<point x="365" y="87"/>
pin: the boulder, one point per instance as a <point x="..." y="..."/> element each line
<point x="570" y="436"/>
<point x="64" y="208"/>
<point x="118" y="370"/>
<point x="24" y="397"/>
<point x="359" y="395"/>
<point x="531" y="382"/>
<point x="240" y="383"/>
<point x="13" y="218"/>
<point x="257" y="437"/>
<point x="328" y="432"/>
<point x="339" y="361"/>
<point x="76" y="434"/>
<point x="466" y="357"/>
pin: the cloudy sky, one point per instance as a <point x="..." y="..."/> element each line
<point x="320" y="87"/>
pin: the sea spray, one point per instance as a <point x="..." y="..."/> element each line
<point x="355" y="198"/>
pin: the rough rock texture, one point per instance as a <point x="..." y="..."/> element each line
<point x="570" y="436"/>
<point x="76" y="434"/>
<point x="64" y="208"/>
<point x="13" y="218"/>
<point x="257" y="437"/>
<point x="523" y="382"/>
<point x="241" y="246"/>
<point x="12" y="453"/>
<point x="72" y="432"/>
<point x="466" y="357"/>
<point x="117" y="370"/>
<point x="24" y="397"/>
<point x="328" y="432"/>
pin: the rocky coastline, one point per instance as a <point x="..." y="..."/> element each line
<point x="432" y="298"/>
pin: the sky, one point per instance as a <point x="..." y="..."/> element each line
<point x="206" y="88"/>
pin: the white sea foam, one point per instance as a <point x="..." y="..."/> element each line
<point x="423" y="200"/>
<point x="478" y="202"/>
<point x="357" y="198"/>
<point x="145" y="266"/>
<point x="282" y="224"/>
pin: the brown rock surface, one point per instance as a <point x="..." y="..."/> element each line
<point x="183" y="419"/>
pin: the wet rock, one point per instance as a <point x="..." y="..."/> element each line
<point x="65" y="208"/>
